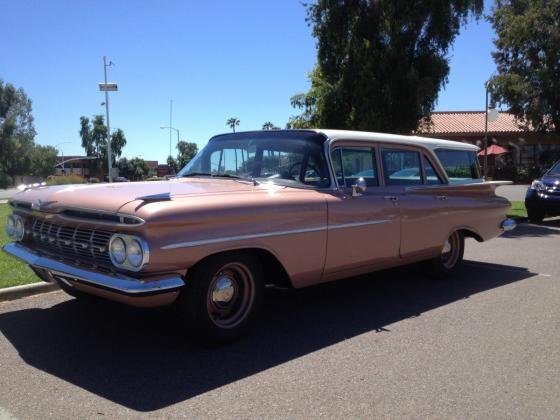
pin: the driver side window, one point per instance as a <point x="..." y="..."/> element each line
<point x="351" y="163"/>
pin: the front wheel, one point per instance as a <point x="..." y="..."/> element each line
<point x="451" y="256"/>
<point x="222" y="297"/>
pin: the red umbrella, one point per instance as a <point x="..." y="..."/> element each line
<point x="494" y="150"/>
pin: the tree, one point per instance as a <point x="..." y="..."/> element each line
<point x="17" y="132"/>
<point x="380" y="64"/>
<point x="94" y="142"/>
<point x="135" y="169"/>
<point x="187" y="151"/>
<point x="43" y="161"/>
<point x="232" y="123"/>
<point x="269" y="126"/>
<point x="527" y="57"/>
<point x="172" y="165"/>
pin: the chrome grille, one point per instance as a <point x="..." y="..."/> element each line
<point x="84" y="246"/>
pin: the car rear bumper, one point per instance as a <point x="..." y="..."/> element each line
<point x="156" y="291"/>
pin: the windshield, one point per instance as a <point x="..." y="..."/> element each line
<point x="284" y="157"/>
<point x="555" y="170"/>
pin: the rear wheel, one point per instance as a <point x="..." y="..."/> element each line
<point x="222" y="297"/>
<point x="451" y="256"/>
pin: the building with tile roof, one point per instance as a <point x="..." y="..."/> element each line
<point x="526" y="146"/>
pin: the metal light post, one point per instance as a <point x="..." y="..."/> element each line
<point x="488" y="117"/>
<point x="176" y="130"/>
<point x="108" y="87"/>
<point x="62" y="151"/>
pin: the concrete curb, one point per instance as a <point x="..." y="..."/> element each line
<point x="17" y="292"/>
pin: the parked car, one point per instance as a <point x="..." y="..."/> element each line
<point x="543" y="196"/>
<point x="286" y="208"/>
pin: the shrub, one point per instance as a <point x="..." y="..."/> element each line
<point x="93" y="180"/>
<point x="64" y="180"/>
<point x="5" y="180"/>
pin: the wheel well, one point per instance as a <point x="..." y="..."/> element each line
<point x="470" y="234"/>
<point x="273" y="270"/>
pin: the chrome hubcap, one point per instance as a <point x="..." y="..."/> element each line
<point x="450" y="251"/>
<point x="223" y="290"/>
<point x="446" y="247"/>
<point x="230" y="295"/>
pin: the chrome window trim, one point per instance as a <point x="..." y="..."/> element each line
<point x="201" y="242"/>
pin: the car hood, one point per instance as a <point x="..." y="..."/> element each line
<point x="111" y="197"/>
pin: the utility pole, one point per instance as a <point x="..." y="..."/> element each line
<point x="106" y="87"/>
<point x="170" y="123"/>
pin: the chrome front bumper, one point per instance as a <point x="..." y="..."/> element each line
<point x="60" y="272"/>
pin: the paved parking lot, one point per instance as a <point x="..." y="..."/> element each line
<point x="485" y="344"/>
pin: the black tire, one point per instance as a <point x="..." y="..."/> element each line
<point x="222" y="297"/>
<point x="535" y="216"/>
<point x="444" y="265"/>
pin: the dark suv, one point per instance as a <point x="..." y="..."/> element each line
<point x="543" y="196"/>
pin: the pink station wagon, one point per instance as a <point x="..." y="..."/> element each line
<point x="288" y="208"/>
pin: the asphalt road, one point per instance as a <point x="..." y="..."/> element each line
<point x="485" y="344"/>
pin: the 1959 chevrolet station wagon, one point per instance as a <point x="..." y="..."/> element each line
<point x="289" y="208"/>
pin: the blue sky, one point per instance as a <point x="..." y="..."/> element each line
<point x="215" y="59"/>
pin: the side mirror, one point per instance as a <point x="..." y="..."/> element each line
<point x="359" y="187"/>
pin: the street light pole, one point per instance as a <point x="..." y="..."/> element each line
<point x="486" y="135"/>
<point x="62" y="152"/>
<point x="109" y="159"/>
<point x="177" y="131"/>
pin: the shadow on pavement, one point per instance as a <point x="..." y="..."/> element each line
<point x="545" y="228"/>
<point x="140" y="359"/>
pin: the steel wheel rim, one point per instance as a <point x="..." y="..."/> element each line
<point x="450" y="251"/>
<point x="230" y="295"/>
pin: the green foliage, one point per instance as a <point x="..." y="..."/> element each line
<point x="269" y="126"/>
<point x="528" y="60"/>
<point x="380" y="64"/>
<point x="6" y="180"/>
<point x="134" y="169"/>
<point x="43" y="161"/>
<point x="187" y="151"/>
<point x="64" y="180"/>
<point x="17" y="132"/>
<point x="94" y="141"/>
<point x="172" y="164"/>
<point x="232" y="123"/>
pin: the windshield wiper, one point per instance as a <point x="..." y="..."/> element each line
<point x="196" y="174"/>
<point x="241" y="178"/>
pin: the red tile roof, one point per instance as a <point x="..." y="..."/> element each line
<point x="470" y="122"/>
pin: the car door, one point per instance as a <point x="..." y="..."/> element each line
<point x="364" y="229"/>
<point x="408" y="175"/>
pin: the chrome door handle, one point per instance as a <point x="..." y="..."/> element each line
<point x="391" y="197"/>
<point x="441" y="197"/>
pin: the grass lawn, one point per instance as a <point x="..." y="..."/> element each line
<point x="517" y="210"/>
<point x="12" y="271"/>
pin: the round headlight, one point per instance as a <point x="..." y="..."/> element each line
<point x="118" y="250"/>
<point x="11" y="226"/>
<point x="134" y="253"/>
<point x="19" y="228"/>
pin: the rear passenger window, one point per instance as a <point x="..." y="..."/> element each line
<point x="432" y="177"/>
<point x="351" y="163"/>
<point x="460" y="165"/>
<point x="401" y="167"/>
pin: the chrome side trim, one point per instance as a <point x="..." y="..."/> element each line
<point x="269" y="234"/>
<point x="357" y="224"/>
<point x="241" y="237"/>
<point x="114" y="282"/>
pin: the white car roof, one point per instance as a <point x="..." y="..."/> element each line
<point x="428" y="142"/>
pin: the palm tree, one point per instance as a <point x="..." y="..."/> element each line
<point x="268" y="126"/>
<point x="232" y="123"/>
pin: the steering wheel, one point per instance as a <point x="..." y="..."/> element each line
<point x="296" y="174"/>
